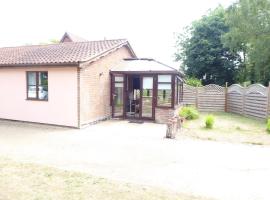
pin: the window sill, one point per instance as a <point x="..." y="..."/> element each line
<point x="29" y="99"/>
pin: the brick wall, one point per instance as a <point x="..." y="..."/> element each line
<point x="163" y="114"/>
<point x="95" y="87"/>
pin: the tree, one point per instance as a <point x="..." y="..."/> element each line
<point x="202" y="53"/>
<point x="249" y="35"/>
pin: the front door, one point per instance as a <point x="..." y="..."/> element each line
<point x="118" y="95"/>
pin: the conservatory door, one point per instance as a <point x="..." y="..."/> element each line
<point x="117" y="95"/>
<point x="147" y="91"/>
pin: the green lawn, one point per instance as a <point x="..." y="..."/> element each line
<point x="34" y="182"/>
<point x="229" y="127"/>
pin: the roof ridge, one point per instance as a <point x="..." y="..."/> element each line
<point x="64" y="43"/>
<point x="79" y="52"/>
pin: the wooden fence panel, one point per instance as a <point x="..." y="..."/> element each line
<point x="235" y="99"/>
<point x="189" y="97"/>
<point x="211" y="98"/>
<point x="253" y="101"/>
<point x="256" y="101"/>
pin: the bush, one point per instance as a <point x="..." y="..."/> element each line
<point x="209" y="121"/>
<point x="268" y="126"/>
<point x="194" y="82"/>
<point x="189" y="112"/>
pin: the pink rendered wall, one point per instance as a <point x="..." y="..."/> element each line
<point x="60" y="109"/>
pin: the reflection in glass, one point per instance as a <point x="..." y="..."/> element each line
<point x="43" y="85"/>
<point x="164" y="96"/>
<point x="118" y="99"/>
<point x="147" y="97"/>
<point x="32" y="93"/>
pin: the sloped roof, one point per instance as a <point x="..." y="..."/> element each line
<point x="60" y="54"/>
<point x="144" y="65"/>
<point x="69" y="37"/>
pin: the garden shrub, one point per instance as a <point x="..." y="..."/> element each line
<point x="268" y="126"/>
<point x="189" y="113"/>
<point x="209" y="121"/>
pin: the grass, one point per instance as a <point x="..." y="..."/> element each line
<point x="229" y="127"/>
<point x="22" y="181"/>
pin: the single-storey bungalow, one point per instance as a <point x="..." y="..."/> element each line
<point x="77" y="82"/>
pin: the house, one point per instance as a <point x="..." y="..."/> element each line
<point x="78" y="82"/>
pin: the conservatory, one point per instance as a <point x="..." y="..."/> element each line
<point x="145" y="89"/>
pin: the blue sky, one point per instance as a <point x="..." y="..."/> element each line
<point x="149" y="25"/>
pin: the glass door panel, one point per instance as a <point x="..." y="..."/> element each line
<point x="118" y="96"/>
<point x="133" y="96"/>
<point x="147" y="97"/>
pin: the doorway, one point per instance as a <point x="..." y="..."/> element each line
<point x="133" y="96"/>
<point x="133" y="99"/>
<point x="139" y="97"/>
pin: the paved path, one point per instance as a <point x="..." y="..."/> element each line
<point x="138" y="153"/>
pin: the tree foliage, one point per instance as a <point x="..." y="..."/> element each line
<point x="249" y="23"/>
<point x="202" y="52"/>
<point x="193" y="82"/>
<point x="231" y="45"/>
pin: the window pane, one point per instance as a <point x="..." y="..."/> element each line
<point x="164" y="95"/>
<point x="43" y="85"/>
<point x="119" y="85"/>
<point x="164" y="78"/>
<point x="32" y="93"/>
<point x="176" y="92"/>
<point x="43" y="92"/>
<point x="179" y="92"/>
<point x="147" y="97"/>
<point x="119" y="79"/>
<point x="43" y="78"/>
<point x="118" y="99"/>
<point x="147" y="82"/>
<point x="165" y="86"/>
<point x="32" y="78"/>
<point x="31" y="84"/>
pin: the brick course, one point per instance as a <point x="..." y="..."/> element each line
<point x="163" y="114"/>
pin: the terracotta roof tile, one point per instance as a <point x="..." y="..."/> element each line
<point x="62" y="53"/>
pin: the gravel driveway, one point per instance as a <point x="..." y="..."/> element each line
<point x="138" y="153"/>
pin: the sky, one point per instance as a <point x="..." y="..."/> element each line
<point x="149" y="25"/>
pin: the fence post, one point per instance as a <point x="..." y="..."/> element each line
<point x="244" y="99"/>
<point x="226" y="97"/>
<point x="197" y="97"/>
<point x="268" y="101"/>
